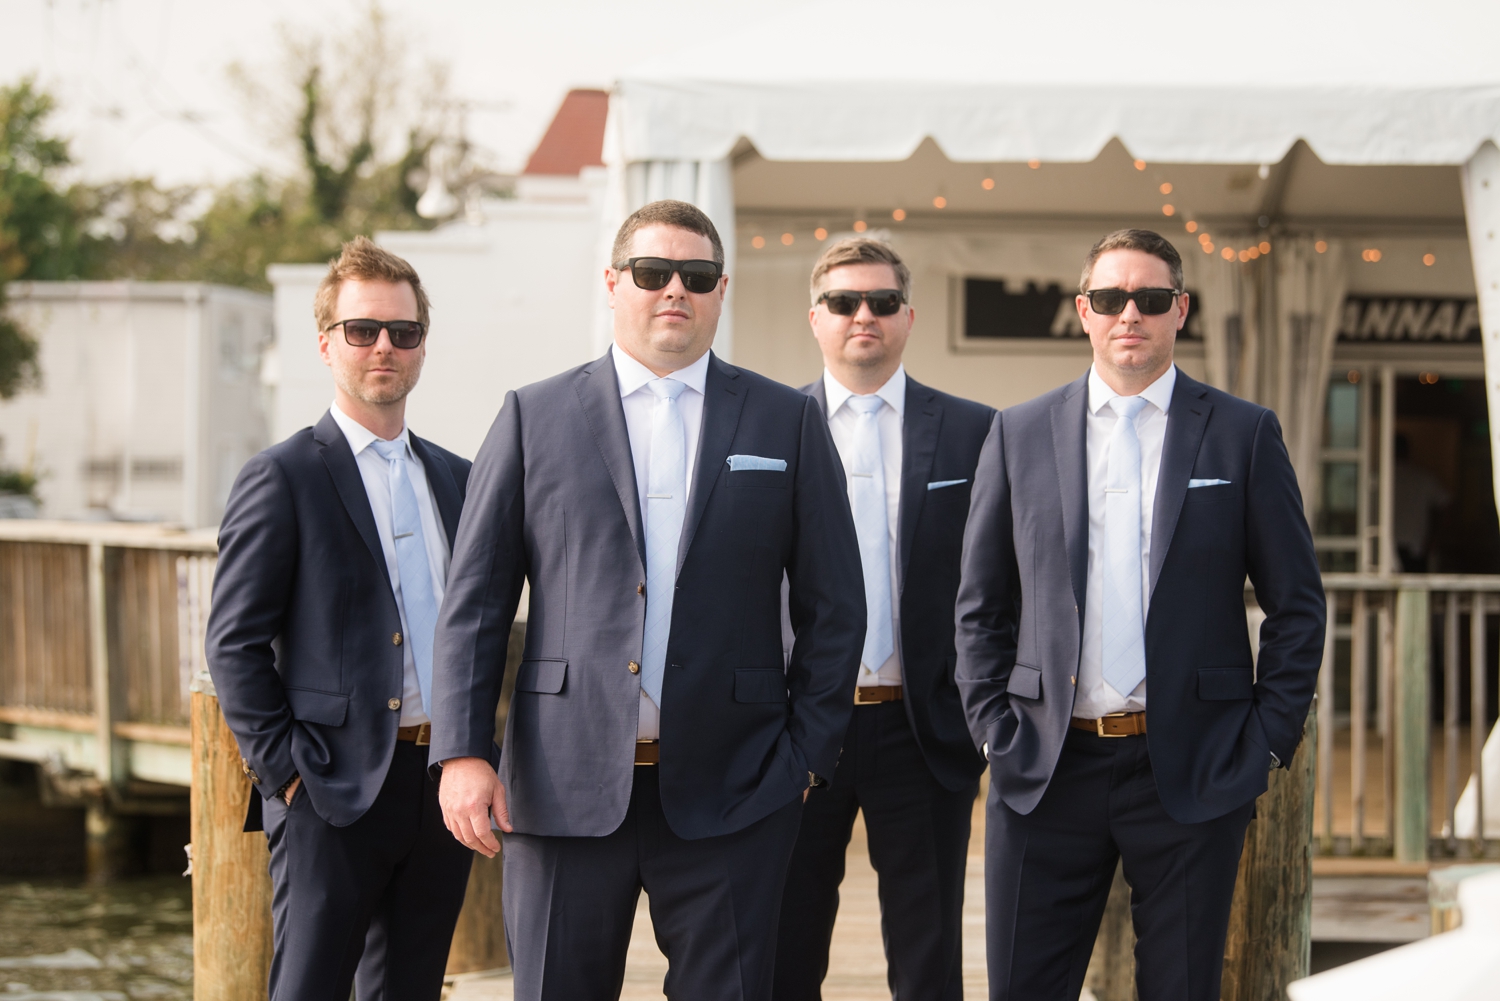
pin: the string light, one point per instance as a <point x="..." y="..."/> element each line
<point x="860" y="226"/>
<point x="1321" y="246"/>
<point x="1208" y="247"/>
<point x="1428" y="378"/>
<point x="820" y="234"/>
<point x="1168" y="209"/>
<point x="1140" y="165"/>
<point x="1265" y="246"/>
<point x="1244" y="256"/>
<point x="940" y="202"/>
<point x="988" y="184"/>
<point x="786" y="239"/>
<point x="1166" y="187"/>
<point x="898" y="215"/>
<point x="1034" y="164"/>
<point x="1191" y="227"/>
<point x="1227" y="253"/>
<point x="1252" y="252"/>
<point x="1204" y="238"/>
<point x="1370" y="254"/>
<point x="1429" y="259"/>
<point x="758" y="242"/>
<point x="1353" y="376"/>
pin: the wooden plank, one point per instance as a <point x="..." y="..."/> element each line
<point x="1367" y="866"/>
<point x="49" y="719"/>
<point x="116" y="535"/>
<point x="1359" y="715"/>
<point x="155" y="733"/>
<point x="1450" y="714"/>
<point x="1412" y="726"/>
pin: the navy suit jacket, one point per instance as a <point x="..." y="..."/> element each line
<point x="941" y="438"/>
<point x="553" y="502"/>
<point x="1212" y="719"/>
<point x="300" y="635"/>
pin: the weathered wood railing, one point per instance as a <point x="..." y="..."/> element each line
<point x="1391" y="769"/>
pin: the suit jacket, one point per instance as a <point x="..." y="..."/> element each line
<point x="1212" y="719"/>
<point x="941" y="438"/>
<point x="554" y="502"/>
<point x="299" y="639"/>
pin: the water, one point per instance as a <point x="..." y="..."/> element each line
<point x="61" y="940"/>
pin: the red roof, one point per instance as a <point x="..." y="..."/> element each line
<point x="575" y="139"/>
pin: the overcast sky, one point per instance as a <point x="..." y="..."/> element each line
<point x="144" y="89"/>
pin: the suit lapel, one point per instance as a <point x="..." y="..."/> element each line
<point x="598" y="392"/>
<point x="1070" y="450"/>
<point x="723" y="399"/>
<point x="1187" y="416"/>
<point x="444" y="488"/>
<point x="339" y="458"/>
<point x="919" y="437"/>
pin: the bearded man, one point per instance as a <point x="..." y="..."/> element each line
<point x="333" y="557"/>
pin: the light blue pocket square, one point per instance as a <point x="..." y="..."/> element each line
<point x="1207" y="483"/>
<point x="738" y="462"/>
<point x="940" y="484"/>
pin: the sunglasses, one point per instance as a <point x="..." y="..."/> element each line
<point x="883" y="301"/>
<point x="652" y="273"/>
<point x="1150" y="301"/>
<point x="405" y="334"/>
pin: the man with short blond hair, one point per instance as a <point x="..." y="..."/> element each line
<point x="333" y="557"/>
<point x="907" y="763"/>
<point x="654" y="500"/>
<point x="1103" y="656"/>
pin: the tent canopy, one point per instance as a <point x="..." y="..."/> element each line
<point x="1183" y="82"/>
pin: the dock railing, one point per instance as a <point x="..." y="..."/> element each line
<point x="1392" y="765"/>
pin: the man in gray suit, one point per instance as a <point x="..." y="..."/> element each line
<point x="654" y="499"/>
<point x="1103" y="654"/>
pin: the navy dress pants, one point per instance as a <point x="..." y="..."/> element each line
<point x="570" y="904"/>
<point x="1048" y="873"/>
<point x="918" y="833"/>
<point x="373" y="904"/>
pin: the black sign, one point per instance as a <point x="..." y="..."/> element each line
<point x="993" y="312"/>
<point x="1410" y="319"/>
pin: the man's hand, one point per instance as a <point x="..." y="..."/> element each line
<point x="291" y="790"/>
<point x="469" y="792"/>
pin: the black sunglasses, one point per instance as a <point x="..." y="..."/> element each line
<point x="652" y="273"/>
<point x="405" y="334"/>
<point x="1150" y="301"/>
<point x="883" y="301"/>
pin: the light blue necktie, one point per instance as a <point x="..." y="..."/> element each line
<point x="417" y="598"/>
<point x="666" y="505"/>
<point x="868" y="502"/>
<point x="1124" y="624"/>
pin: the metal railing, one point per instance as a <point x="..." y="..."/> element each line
<point x="1390" y="769"/>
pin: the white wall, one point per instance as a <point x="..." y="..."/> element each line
<point x="150" y="398"/>
<point x="512" y="303"/>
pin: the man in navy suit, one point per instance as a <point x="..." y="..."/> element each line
<point x="909" y="454"/>
<point x="1103" y="651"/>
<point x="332" y="560"/>
<point x="654" y="499"/>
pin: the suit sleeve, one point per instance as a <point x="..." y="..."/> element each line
<point x="252" y="585"/>
<point x="825" y="600"/>
<point x="1283" y="568"/>
<point x="479" y="604"/>
<point x="987" y="614"/>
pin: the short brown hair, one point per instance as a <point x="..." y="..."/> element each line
<point x="667" y="212"/>
<point x="1143" y="240"/>
<point x="860" y="250"/>
<point x="362" y="261"/>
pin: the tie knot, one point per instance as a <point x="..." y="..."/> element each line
<point x="1127" y="406"/>
<point x="666" y="389"/>
<point x="865" y="405"/>
<point x="390" y="450"/>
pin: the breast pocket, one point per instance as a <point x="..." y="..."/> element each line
<point x="776" y="479"/>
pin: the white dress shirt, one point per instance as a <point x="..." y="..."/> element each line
<point x="1095" y="696"/>
<point x="376" y="472"/>
<point x="842" y="422"/>
<point x="638" y="402"/>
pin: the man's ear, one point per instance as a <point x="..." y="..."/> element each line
<point x="324" y="347"/>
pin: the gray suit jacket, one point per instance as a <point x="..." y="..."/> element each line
<point x="1212" y="718"/>
<point x="553" y="500"/>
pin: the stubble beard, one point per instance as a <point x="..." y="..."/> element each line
<point x="379" y="394"/>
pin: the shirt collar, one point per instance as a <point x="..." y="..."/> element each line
<point x="633" y="375"/>
<point x="1158" y="394"/>
<point x="893" y="392"/>
<point x="361" y="437"/>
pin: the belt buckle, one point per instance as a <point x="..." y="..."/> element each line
<point x="1099" y="725"/>
<point x="424" y="735"/>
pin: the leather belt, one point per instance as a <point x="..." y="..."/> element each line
<point x="1113" y="724"/>
<point x="869" y="695"/>
<point x="421" y="734"/>
<point x="648" y="752"/>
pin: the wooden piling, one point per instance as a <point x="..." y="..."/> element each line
<point x="231" y="878"/>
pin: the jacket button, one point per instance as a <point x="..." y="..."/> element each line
<point x="640" y="588"/>
<point x="1072" y="681"/>
<point x="394" y="704"/>
<point x="634" y="667"/>
<point x="395" y="639"/>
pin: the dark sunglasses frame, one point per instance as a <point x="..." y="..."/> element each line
<point x="706" y="274"/>
<point x="891" y="296"/>
<point x="1138" y="297"/>
<point x="400" y="331"/>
